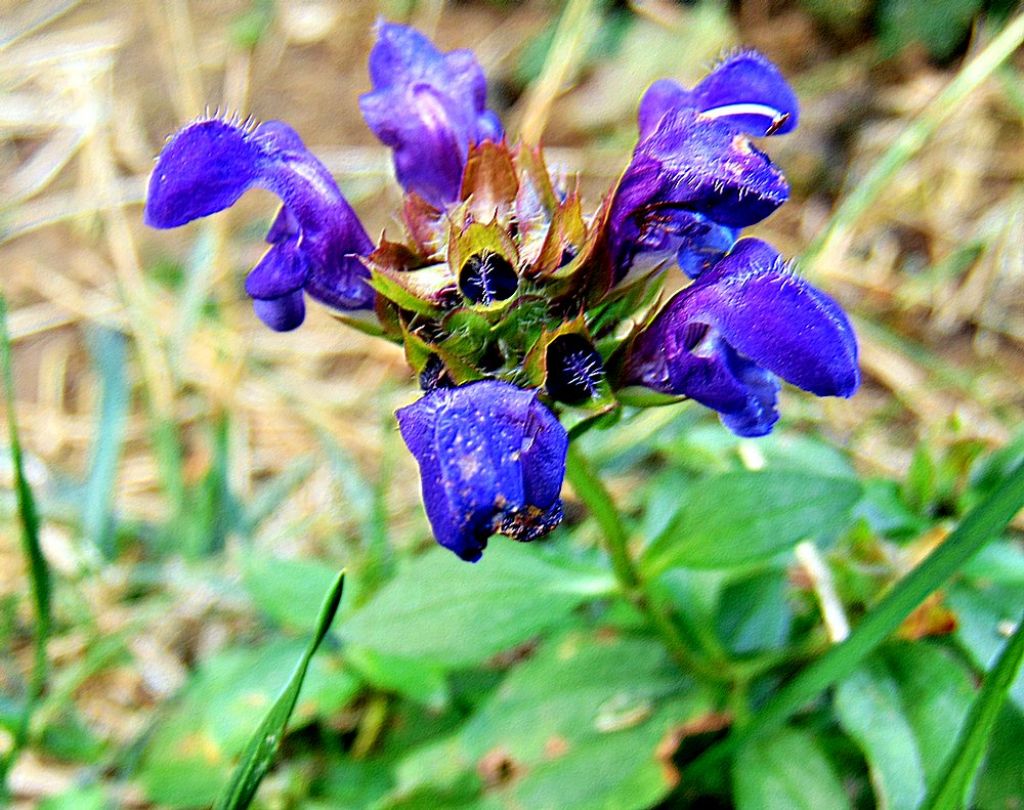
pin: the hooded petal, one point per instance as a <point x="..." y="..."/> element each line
<point x="721" y="340"/>
<point x="208" y="165"/>
<point x="203" y="169"/>
<point x="429" y="107"/>
<point x="664" y="96"/>
<point x="779" y="321"/>
<point x="748" y="91"/>
<point x="491" y="459"/>
<point x="689" y="164"/>
<point x="745" y="90"/>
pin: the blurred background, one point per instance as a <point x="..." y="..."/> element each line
<point x="200" y="477"/>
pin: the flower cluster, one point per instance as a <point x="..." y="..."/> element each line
<point x="516" y="307"/>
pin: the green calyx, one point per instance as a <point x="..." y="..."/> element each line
<point x="512" y="282"/>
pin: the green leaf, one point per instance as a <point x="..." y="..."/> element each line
<point x="784" y="770"/>
<point x="93" y="797"/>
<point x="39" y="573"/>
<point x="753" y="613"/>
<point x="1001" y="781"/>
<point x="198" y="742"/>
<point x="986" y="604"/>
<point x="979" y="527"/>
<point x="417" y="680"/>
<point x="352" y="784"/>
<point x="263" y="744"/>
<point x="581" y="722"/>
<point x="287" y="590"/>
<point x="952" y="791"/>
<point x="904" y="708"/>
<point x="622" y="770"/>
<point x="936" y="691"/>
<point x="768" y="512"/>
<point x="574" y="687"/>
<point x="901" y="22"/>
<point x="999" y="563"/>
<point x="443" y="610"/>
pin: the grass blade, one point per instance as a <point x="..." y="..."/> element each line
<point x="917" y="134"/>
<point x="951" y="792"/>
<point x="38" y="571"/>
<point x="980" y="526"/>
<point x="259" y="753"/>
<point x="107" y="349"/>
<point x="568" y="47"/>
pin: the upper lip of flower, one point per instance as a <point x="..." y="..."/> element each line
<point x="754" y="316"/>
<point x="745" y="89"/>
<point x="429" y="107"/>
<point x="696" y="165"/>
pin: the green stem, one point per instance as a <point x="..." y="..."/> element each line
<point x="371" y="726"/>
<point x="633" y="586"/>
<point x="599" y="501"/>
<point x="917" y="133"/>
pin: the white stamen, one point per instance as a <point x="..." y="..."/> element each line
<point x="743" y="108"/>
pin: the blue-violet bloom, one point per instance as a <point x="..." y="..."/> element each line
<point x="722" y="340"/>
<point x="429" y="107"/>
<point x="492" y="459"/>
<point x="692" y="184"/>
<point x="655" y="213"/>
<point x="316" y="240"/>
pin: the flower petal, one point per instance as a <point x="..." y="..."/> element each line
<point x="340" y="282"/>
<point x="689" y="165"/>
<point x="759" y="414"/>
<point x="744" y="90"/>
<point x="429" y="107"/>
<point x="704" y="246"/>
<point x="282" y="270"/>
<point x="209" y="164"/>
<point x="748" y="91"/>
<point x="281" y="314"/>
<point x="778" y="320"/>
<point x="707" y="167"/>
<point x="722" y="340"/>
<point x="664" y="96"/>
<point x="284" y="226"/>
<point x="203" y="169"/>
<point x="491" y="458"/>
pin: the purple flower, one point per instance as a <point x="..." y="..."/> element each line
<point x="692" y="184"/>
<point x="492" y="459"/>
<point x="696" y="137"/>
<point x="316" y="239"/>
<point x="744" y="90"/>
<point x="429" y="107"/>
<point x="723" y="340"/>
